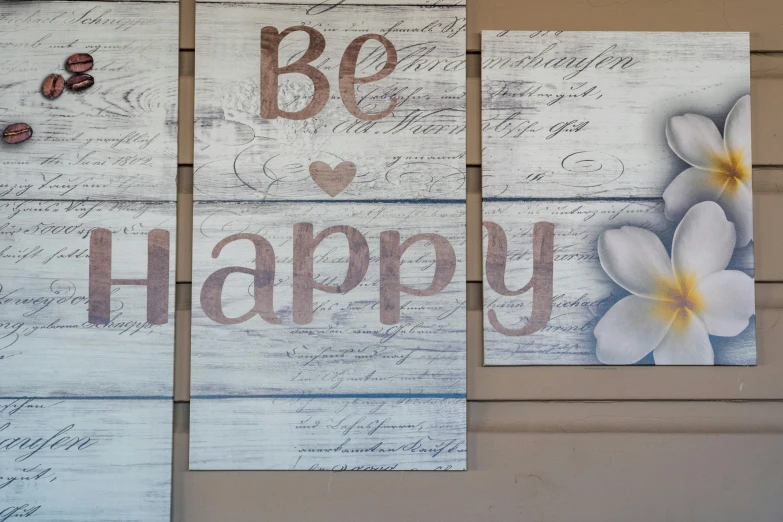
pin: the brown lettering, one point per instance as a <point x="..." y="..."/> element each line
<point x="348" y="77"/>
<point x="271" y="71"/>
<point x="304" y="247"/>
<point x="391" y="256"/>
<point x="157" y="281"/>
<point x="540" y="282"/>
<point x="263" y="283"/>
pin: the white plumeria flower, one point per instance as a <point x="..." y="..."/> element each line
<point x="676" y="303"/>
<point x="721" y="167"/>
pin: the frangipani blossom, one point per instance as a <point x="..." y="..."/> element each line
<point x="677" y="303"/>
<point x="721" y="167"/>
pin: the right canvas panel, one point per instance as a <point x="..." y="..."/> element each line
<point x="618" y="220"/>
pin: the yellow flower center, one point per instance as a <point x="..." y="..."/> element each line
<point x="729" y="171"/>
<point x="678" y="299"/>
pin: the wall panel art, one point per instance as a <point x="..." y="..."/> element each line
<point x="87" y="240"/>
<point x="618" y="216"/>
<point x="329" y="236"/>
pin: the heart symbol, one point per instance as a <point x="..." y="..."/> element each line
<point x="332" y="180"/>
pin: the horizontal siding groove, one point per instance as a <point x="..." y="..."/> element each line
<point x="589" y="401"/>
<point x="683" y="416"/>
<point x="777" y="54"/>
<point x="757" y="166"/>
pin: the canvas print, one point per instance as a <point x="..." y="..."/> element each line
<point x="86" y="459"/>
<point x="618" y="211"/>
<point x="88" y="111"/>
<point x="91" y="112"/>
<point x="318" y="106"/>
<point x="329" y="236"/>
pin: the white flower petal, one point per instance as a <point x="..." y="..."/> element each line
<point x="692" y="186"/>
<point x="635" y="259"/>
<point x="703" y="242"/>
<point x="737" y="131"/>
<point x="695" y="139"/>
<point x="686" y="344"/>
<point x="737" y="202"/>
<point x="728" y="302"/>
<point x="631" y="329"/>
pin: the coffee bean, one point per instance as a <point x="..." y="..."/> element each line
<point x="79" y="82"/>
<point x="79" y="63"/>
<point x="53" y="86"/>
<point x="17" y="133"/>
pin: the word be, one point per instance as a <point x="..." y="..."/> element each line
<point x="271" y="71"/>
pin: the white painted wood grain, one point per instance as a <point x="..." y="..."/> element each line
<point x="116" y="140"/>
<point x="345" y="434"/>
<point x="47" y="346"/>
<point x="346" y="348"/>
<point x="417" y="152"/>
<point x="80" y="460"/>
<point x="626" y="108"/>
<point x="344" y="362"/>
<point x="252" y="175"/>
<point x="102" y="456"/>
<point x="319" y="6"/>
<point x="128" y="1"/>
<point x="582" y="291"/>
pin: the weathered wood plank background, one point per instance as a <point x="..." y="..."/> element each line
<point x="394" y="433"/>
<point x="598" y="132"/>
<point x="559" y="137"/>
<point x="48" y="347"/>
<point x="90" y="459"/>
<point x="346" y="339"/>
<point x="345" y="363"/>
<point x="116" y="140"/>
<point x="416" y="152"/>
<point x="403" y="382"/>
<point x="85" y="410"/>
<point x="345" y="348"/>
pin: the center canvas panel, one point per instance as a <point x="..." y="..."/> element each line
<point x="88" y="157"/>
<point x="329" y="231"/>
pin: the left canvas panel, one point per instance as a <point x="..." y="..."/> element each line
<point x="87" y="239"/>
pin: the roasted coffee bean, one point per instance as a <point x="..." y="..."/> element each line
<point x="53" y="86"/>
<point x="79" y="82"/>
<point x="79" y="63"/>
<point x="17" y="133"/>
